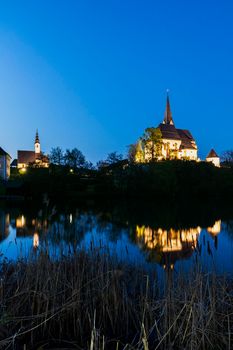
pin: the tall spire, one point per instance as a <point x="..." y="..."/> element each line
<point x="168" y="114"/>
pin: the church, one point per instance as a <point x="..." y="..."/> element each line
<point x="175" y="143"/>
<point x="35" y="159"/>
<point x="166" y="142"/>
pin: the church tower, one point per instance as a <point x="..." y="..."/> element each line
<point x="37" y="143"/>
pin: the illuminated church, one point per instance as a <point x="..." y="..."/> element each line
<point x="34" y="158"/>
<point x="175" y="143"/>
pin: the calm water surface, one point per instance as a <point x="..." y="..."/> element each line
<point x="151" y="236"/>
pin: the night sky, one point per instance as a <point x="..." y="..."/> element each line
<point x="94" y="74"/>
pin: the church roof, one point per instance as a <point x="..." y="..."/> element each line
<point x="212" y="154"/>
<point x="26" y="157"/>
<point x="185" y="134"/>
<point x="169" y="132"/>
<point x="186" y="139"/>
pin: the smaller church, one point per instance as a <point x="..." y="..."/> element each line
<point x="34" y="159"/>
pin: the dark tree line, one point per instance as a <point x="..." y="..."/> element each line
<point x="227" y="158"/>
<point x="75" y="159"/>
<point x="112" y="158"/>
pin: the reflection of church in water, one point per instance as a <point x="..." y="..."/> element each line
<point x="29" y="227"/>
<point x="168" y="246"/>
<point x="164" y="246"/>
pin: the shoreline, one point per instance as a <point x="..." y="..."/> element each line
<point x="93" y="298"/>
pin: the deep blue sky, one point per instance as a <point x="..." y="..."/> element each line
<point x="94" y="74"/>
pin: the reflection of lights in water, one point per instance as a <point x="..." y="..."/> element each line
<point x="140" y="231"/>
<point x="36" y="240"/>
<point x="167" y="240"/>
<point x="71" y="218"/>
<point x="20" y="222"/>
<point x="215" y="229"/>
<point x="168" y="245"/>
<point x="7" y="224"/>
<point x="171" y="266"/>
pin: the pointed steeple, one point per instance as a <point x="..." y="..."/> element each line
<point x="168" y="114"/>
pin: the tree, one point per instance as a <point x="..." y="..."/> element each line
<point x="136" y="153"/>
<point x="56" y="156"/>
<point x="152" y="142"/>
<point x="101" y="164"/>
<point x="89" y="166"/>
<point x="227" y="157"/>
<point x="113" y="158"/>
<point x="74" y="158"/>
<point x="132" y="152"/>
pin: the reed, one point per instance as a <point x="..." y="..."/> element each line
<point x="93" y="300"/>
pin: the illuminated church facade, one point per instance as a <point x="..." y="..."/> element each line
<point x="170" y="143"/>
<point x="175" y="143"/>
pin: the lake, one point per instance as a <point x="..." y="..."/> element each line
<point x="162" y="237"/>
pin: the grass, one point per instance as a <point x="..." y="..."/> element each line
<point x="92" y="300"/>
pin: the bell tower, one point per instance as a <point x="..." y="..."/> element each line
<point x="37" y="143"/>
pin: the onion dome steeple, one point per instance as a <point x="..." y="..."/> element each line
<point x="37" y="140"/>
<point x="37" y="143"/>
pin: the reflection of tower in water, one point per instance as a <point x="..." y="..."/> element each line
<point x="36" y="240"/>
<point x="30" y="227"/>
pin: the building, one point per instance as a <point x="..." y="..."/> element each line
<point x="175" y="143"/>
<point x="5" y="160"/>
<point x="213" y="158"/>
<point x="34" y="158"/>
